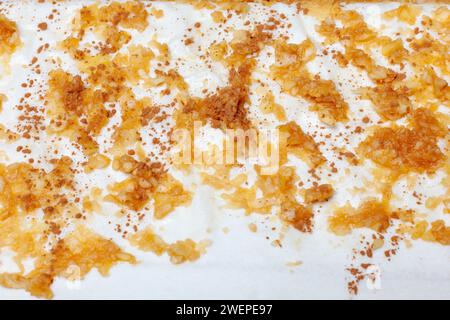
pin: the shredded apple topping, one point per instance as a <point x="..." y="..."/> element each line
<point x="404" y="149"/>
<point x="291" y="72"/>
<point x="358" y="122"/>
<point x="226" y="108"/>
<point x="9" y="36"/>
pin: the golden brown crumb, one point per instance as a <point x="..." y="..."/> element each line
<point x="147" y="240"/>
<point x="9" y="36"/>
<point x="269" y="105"/>
<point x="390" y="98"/>
<point x="295" y="141"/>
<point x="70" y="101"/>
<point x="370" y="214"/>
<point x="405" y="13"/>
<point x="298" y="215"/>
<point x="319" y="193"/>
<point x="278" y="190"/>
<point x="82" y="249"/>
<point x="182" y="251"/>
<point x="226" y="108"/>
<point x="291" y="72"/>
<point x="148" y="180"/>
<point x="179" y="252"/>
<point x="106" y="20"/>
<point x="402" y="149"/>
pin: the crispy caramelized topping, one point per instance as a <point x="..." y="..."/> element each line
<point x="278" y="191"/>
<point x="246" y="44"/>
<point x="148" y="181"/>
<point x="97" y="161"/>
<point x="302" y="145"/>
<point x="320" y="193"/>
<point x="226" y="108"/>
<point x="439" y="23"/>
<point x="389" y="97"/>
<point x="356" y="32"/>
<point x="74" y="257"/>
<point x="269" y="105"/>
<point x="9" y="36"/>
<point x="26" y="189"/>
<point x="106" y="21"/>
<point x="291" y="73"/>
<point x="405" y="13"/>
<point x="429" y="51"/>
<point x="299" y="216"/>
<point x="438" y="232"/>
<point x="76" y="110"/>
<point x="425" y="123"/>
<point x="428" y="88"/>
<point x="182" y="251"/>
<point x="179" y="252"/>
<point x="135" y="191"/>
<point x="389" y="103"/>
<point x="404" y="150"/>
<point x="370" y="214"/>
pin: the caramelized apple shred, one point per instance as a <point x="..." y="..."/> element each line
<point x="26" y="189"/>
<point x="389" y="96"/>
<point x="319" y="193"/>
<point x="268" y="105"/>
<point x="227" y="107"/>
<point x="438" y="232"/>
<point x="179" y="252"/>
<point x="149" y="180"/>
<point x="9" y="36"/>
<point x="405" y="13"/>
<point x="425" y="52"/>
<point x="224" y="109"/>
<point x="377" y="216"/>
<point x="302" y="145"/>
<point x="402" y="149"/>
<point x="279" y="192"/>
<point x="291" y="73"/>
<point x="76" y="110"/>
<point x="370" y="214"/>
<point x="106" y="20"/>
<point x="247" y="44"/>
<point x="120" y="91"/>
<point x="79" y="252"/>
